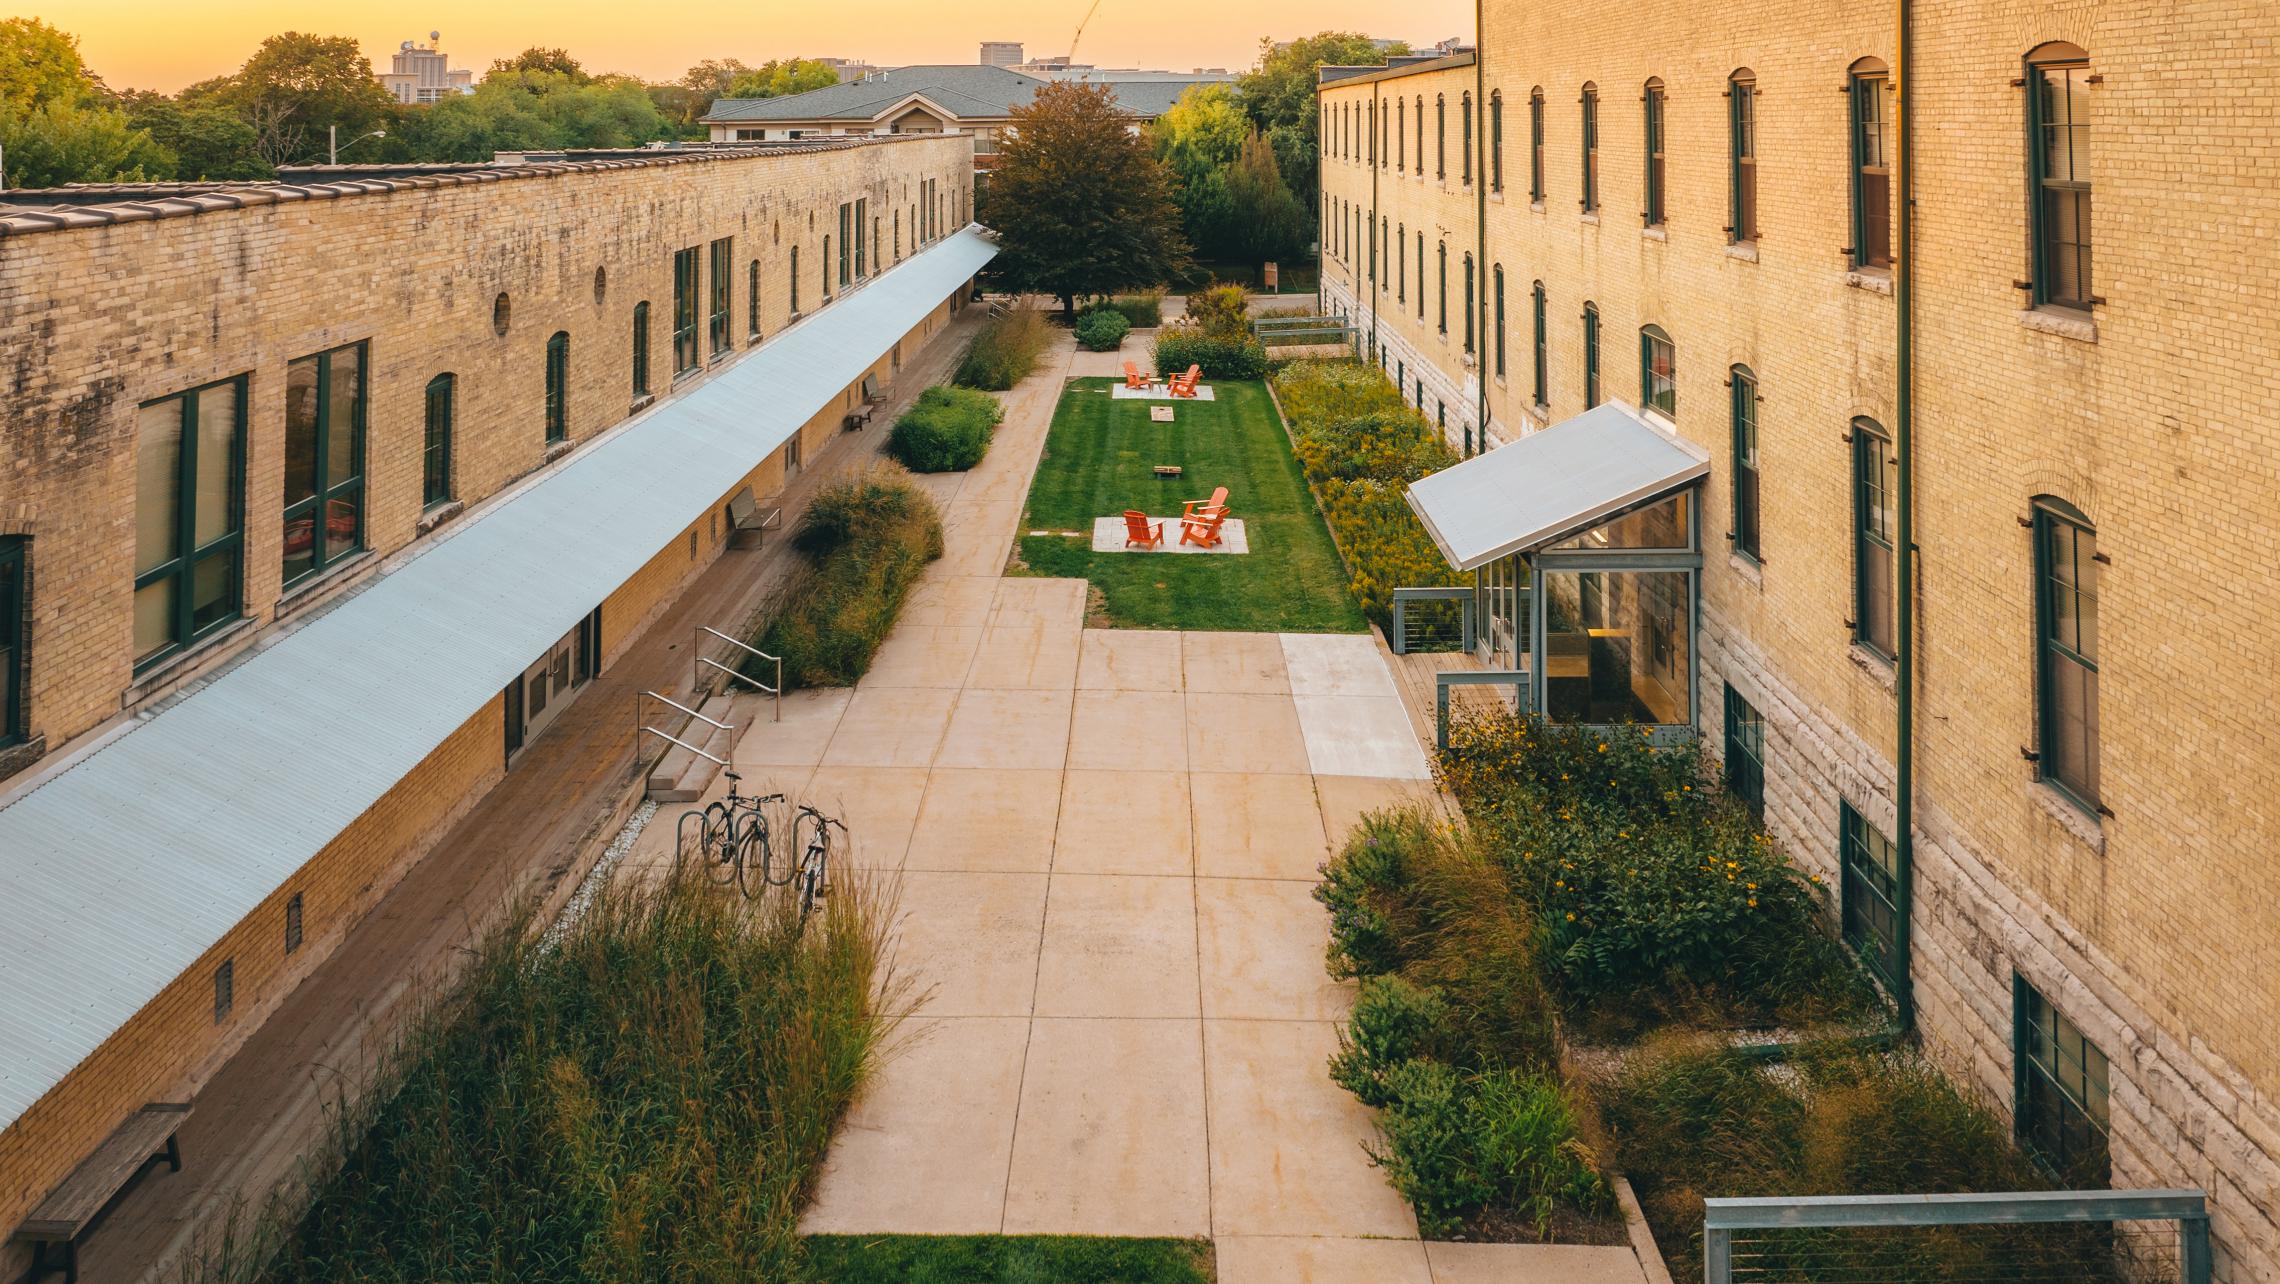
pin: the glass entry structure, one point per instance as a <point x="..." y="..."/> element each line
<point x="1585" y="546"/>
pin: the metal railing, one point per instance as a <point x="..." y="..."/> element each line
<point x="2073" y="1235"/>
<point x="641" y="721"/>
<point x="703" y="662"/>
<point x="1517" y="679"/>
<point x="1302" y="330"/>
<point x="1421" y="623"/>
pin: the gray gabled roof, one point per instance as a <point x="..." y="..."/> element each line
<point x="121" y="871"/>
<point x="969" y="92"/>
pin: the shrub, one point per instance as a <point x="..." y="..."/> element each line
<point x="1102" y="330"/>
<point x="1141" y="310"/>
<point x="1220" y="310"/>
<point x="1006" y="351"/>
<point x="1393" y="1022"/>
<point x="865" y="541"/>
<point x="1229" y="357"/>
<point x="1455" y="1145"/>
<point x="1358" y="885"/>
<point x="946" y="430"/>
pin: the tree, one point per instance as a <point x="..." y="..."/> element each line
<point x="1079" y="205"/>
<point x="61" y="142"/>
<point x="1279" y="96"/>
<point x="39" y="64"/>
<point x="711" y="78"/>
<point x="1196" y="140"/>
<point x="207" y="142"/>
<point x="553" y="61"/>
<point x="296" y="85"/>
<point x="1265" y="221"/>
<point x="776" y="79"/>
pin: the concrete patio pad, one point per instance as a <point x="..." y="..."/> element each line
<point x="1532" y="1264"/>
<point x="1293" y="1259"/>
<point x="925" y="655"/>
<point x="798" y="734"/>
<point x="1123" y="822"/>
<point x="1286" y="1143"/>
<point x="1243" y="732"/>
<point x="1129" y="660"/>
<point x="877" y="804"/>
<point x="1109" y="535"/>
<point x="1026" y="654"/>
<point x="970" y="941"/>
<point x="1118" y="946"/>
<point x="1012" y="728"/>
<point x="1240" y="662"/>
<point x="1112" y="1136"/>
<point x="1360" y="736"/>
<point x="1251" y="825"/>
<point x="950" y="599"/>
<point x="1111" y="730"/>
<point x="891" y="727"/>
<point x="1261" y="944"/>
<point x="1335" y="664"/>
<point x="986" y="819"/>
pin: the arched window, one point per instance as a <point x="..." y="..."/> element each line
<point x="2058" y="146"/>
<point x="1871" y="164"/>
<point x="1590" y="200"/>
<point x="1741" y="151"/>
<point x="1655" y="101"/>
<point x="435" y="443"/>
<point x="2066" y="626"/>
<point x="1536" y="144"/>
<point x="1496" y="141"/>
<point x="1872" y="537"/>
<point x="1743" y="386"/>
<point x="1658" y="371"/>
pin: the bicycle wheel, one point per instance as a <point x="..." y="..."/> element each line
<point x="720" y="844"/>
<point x="754" y="856"/>
<point x="809" y="880"/>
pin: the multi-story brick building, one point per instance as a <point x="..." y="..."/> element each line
<point x="318" y="500"/>
<point x="1689" y="211"/>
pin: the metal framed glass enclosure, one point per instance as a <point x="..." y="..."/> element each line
<point x="1584" y="542"/>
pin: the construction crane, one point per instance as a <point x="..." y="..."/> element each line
<point x="1081" y="31"/>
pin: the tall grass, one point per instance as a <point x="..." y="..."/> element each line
<point x="865" y="542"/>
<point x="647" y="1097"/>
<point x="1006" y="351"/>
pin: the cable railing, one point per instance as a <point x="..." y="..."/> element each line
<point x="774" y="693"/>
<point x="1437" y="618"/>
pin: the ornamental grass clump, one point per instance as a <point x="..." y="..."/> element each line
<point x="864" y="543"/>
<point x="1006" y="351"/>
<point x="945" y="430"/>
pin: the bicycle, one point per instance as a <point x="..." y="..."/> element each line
<point x="814" y="869"/>
<point x="730" y="831"/>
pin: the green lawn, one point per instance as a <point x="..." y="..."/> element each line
<point x="1098" y="461"/>
<point x="1006" y="1259"/>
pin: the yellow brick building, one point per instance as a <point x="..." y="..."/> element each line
<point x="2087" y="926"/>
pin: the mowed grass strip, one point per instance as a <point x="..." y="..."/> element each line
<point x="1099" y="461"/>
<point x="1007" y="1259"/>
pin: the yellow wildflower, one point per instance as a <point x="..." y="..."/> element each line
<point x="1753" y="902"/>
<point x="1571" y="916"/>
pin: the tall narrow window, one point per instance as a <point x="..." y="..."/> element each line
<point x="1400" y="135"/>
<point x="1371" y="126"/>
<point x="1871" y="172"/>
<point x="1872" y="538"/>
<point x="1385" y="235"/>
<point x="1745" y="752"/>
<point x="1465" y="111"/>
<point x="190" y="461"/>
<point x="225" y="990"/>
<point x="1536" y="144"/>
<point x="846" y="245"/>
<point x="1471" y="307"/>
<point x="1590" y="200"/>
<point x="558" y="386"/>
<point x="793" y="281"/>
<point x="1500" y="320"/>
<point x="1543" y="361"/>
<point x="1590" y="355"/>
<point x="1442" y="271"/>
<point x="2066" y="608"/>
<point x="1655" y="101"/>
<point x="641" y="348"/>
<point x="1496" y="141"/>
<point x="752" y="298"/>
<point x="1421" y="277"/>
<point x="324" y="460"/>
<point x="862" y="220"/>
<point x="435" y="445"/>
<point x="826" y="287"/>
<point x="1401" y="264"/>
<point x="1743" y="386"/>
<point x="1869" y="894"/>
<point x="293" y="922"/>
<point x="1658" y="371"/>
<point x="1420" y="135"/>
<point x="685" y="310"/>
<point x="2060" y="1090"/>
<point x="717" y="319"/>
<point x="1440" y="136"/>
<point x="12" y="713"/>
<point x="1741" y="130"/>
<point x="2058" y="124"/>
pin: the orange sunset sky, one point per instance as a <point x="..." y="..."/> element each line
<point x="146" y="44"/>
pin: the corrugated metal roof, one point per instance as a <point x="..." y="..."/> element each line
<point x="1551" y="484"/>
<point x="117" y="874"/>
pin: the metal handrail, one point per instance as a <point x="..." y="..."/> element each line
<point x="641" y="723"/>
<point x="1467" y="624"/>
<point x="666" y="699"/>
<point x="1519" y="679"/>
<point x="776" y="692"/>
<point x="676" y="740"/>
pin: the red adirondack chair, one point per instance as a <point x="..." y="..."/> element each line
<point x="1138" y="530"/>
<point x="1183" y="385"/>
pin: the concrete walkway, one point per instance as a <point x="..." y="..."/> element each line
<point x="1106" y="842"/>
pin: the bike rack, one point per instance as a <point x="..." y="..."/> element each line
<point x="776" y="692"/>
<point x="641" y="724"/>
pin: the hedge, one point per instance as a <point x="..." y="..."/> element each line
<point x="1181" y="346"/>
<point x="947" y="430"/>
<point x="1102" y="330"/>
<point x="865" y="542"/>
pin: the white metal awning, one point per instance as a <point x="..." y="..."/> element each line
<point x="118" y="873"/>
<point x="1552" y="484"/>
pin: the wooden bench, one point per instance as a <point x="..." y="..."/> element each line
<point x="72" y="1209"/>
<point x="872" y="400"/>
<point x="746" y="523"/>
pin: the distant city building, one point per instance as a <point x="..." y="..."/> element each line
<point x="849" y="68"/>
<point x="425" y="75"/>
<point x="1001" y="53"/>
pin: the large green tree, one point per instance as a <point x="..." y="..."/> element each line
<point x="1079" y="205"/>
<point x="775" y="79"/>
<point x="207" y="142"/>
<point x="552" y="61"/>
<point x="56" y="122"/>
<point x="1196" y="141"/>
<point x="297" y="86"/>
<point x="531" y="110"/>
<point x="1265" y="221"/>
<point x="1279" y="95"/>
<point x="39" y="64"/>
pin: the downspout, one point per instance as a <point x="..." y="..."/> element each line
<point x="1480" y="221"/>
<point x="1377" y="251"/>
<point x="1903" y="445"/>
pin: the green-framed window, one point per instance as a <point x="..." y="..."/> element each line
<point x="1444" y="291"/>
<point x="1420" y="126"/>
<point x="1536" y="144"/>
<point x="862" y="242"/>
<point x="1543" y="352"/>
<point x="1743" y="388"/>
<point x="189" y="517"/>
<point x="324" y="460"/>
<point x="1421" y="276"/>
<point x="2059" y="141"/>
<point x="1440" y="136"/>
<point x="1741" y="179"/>
<point x="1744" y="766"/>
<point x="435" y="440"/>
<point x="1658" y="371"/>
<point x="717" y="324"/>
<point x="558" y="386"/>
<point x="1496" y="141"/>
<point x="15" y="562"/>
<point x="1590" y="355"/>
<point x="1470" y="305"/>
<point x="2060" y="1090"/>
<point x="641" y="348"/>
<point x="793" y="280"/>
<point x="685" y="287"/>
<point x="1655" y="101"/>
<point x="2066" y="624"/>
<point x="1868" y="893"/>
<point x="1872" y="538"/>
<point x="1871" y="165"/>
<point x="1466" y="110"/>
<point x="1400" y="135"/>
<point x="1500" y="320"/>
<point x="846" y="244"/>
<point x="1401" y="264"/>
<point x="1590" y="201"/>
<point x="752" y="287"/>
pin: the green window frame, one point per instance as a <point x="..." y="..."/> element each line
<point x="752" y="288"/>
<point x="1500" y="320"/>
<point x="1654" y="102"/>
<point x="15" y="562"/>
<point x="1590" y="201"/>
<point x="189" y="518"/>
<point x="1420" y="126"/>
<point x="1496" y="141"/>
<point x="1467" y="113"/>
<point x="685" y="355"/>
<point x="2059" y="141"/>
<point x="1401" y="264"/>
<point x="1400" y="135"/>
<point x="641" y="348"/>
<point x="2066" y="655"/>
<point x="435" y="440"/>
<point x="862" y="243"/>
<point x="558" y="387"/>
<point x="1444" y="277"/>
<point x="1868" y="895"/>
<point x="1536" y="145"/>
<point x="1543" y="350"/>
<point x="1421" y="275"/>
<point x="324" y="461"/>
<point x="2060" y="1091"/>
<point x="1658" y="372"/>
<point x="1440" y="136"/>
<point x="1871" y="165"/>
<point x="1590" y="355"/>
<point x="717" y="324"/>
<point x="1743" y="402"/>
<point x="1469" y="304"/>
<point x="846" y="246"/>
<point x="1872" y="539"/>
<point x="1744" y="765"/>
<point x="794" y="280"/>
<point x="1741" y="179"/>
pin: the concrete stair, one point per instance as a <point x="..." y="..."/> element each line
<point x="682" y="776"/>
